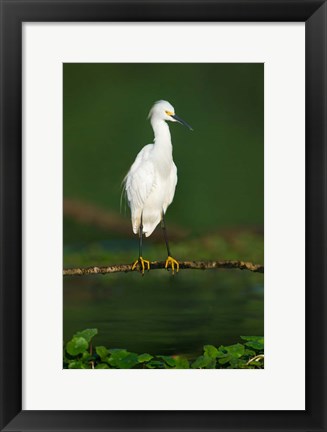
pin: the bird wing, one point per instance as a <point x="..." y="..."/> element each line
<point x="171" y="187"/>
<point x="140" y="179"/>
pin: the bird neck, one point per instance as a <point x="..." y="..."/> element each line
<point x="162" y="138"/>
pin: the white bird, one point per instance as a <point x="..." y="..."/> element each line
<point x="151" y="181"/>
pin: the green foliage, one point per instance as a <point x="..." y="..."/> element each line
<point x="76" y="346"/>
<point x="144" y="358"/>
<point x="208" y="359"/>
<point x="210" y="351"/>
<point x="80" y="343"/>
<point x="230" y="354"/>
<point x="181" y="363"/>
<point x="87" y="334"/>
<point x="78" y="355"/>
<point x="123" y="359"/>
<point x="255" y="342"/>
<point x="102" y="352"/>
<point x="204" y="362"/>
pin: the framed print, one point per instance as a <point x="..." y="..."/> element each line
<point x="227" y="174"/>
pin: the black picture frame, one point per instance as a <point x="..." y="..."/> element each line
<point x="13" y="14"/>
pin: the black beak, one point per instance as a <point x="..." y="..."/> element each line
<point x="183" y="122"/>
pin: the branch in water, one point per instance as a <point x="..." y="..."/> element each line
<point x="155" y="265"/>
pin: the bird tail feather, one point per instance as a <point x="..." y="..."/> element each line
<point x="123" y="195"/>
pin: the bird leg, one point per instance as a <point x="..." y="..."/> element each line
<point x="140" y="260"/>
<point x="170" y="260"/>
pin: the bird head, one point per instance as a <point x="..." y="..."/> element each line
<point x="163" y="110"/>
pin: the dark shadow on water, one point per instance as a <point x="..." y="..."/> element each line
<point x="161" y="314"/>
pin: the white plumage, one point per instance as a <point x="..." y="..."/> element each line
<point x="151" y="181"/>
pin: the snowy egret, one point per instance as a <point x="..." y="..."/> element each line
<point x="151" y="181"/>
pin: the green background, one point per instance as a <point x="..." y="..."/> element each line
<point x="220" y="163"/>
<point x="218" y="201"/>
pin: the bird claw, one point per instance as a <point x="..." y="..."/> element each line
<point x="171" y="261"/>
<point x="141" y="262"/>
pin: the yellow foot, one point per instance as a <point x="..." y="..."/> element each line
<point x="171" y="261"/>
<point x="141" y="261"/>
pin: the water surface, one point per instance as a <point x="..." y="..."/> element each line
<point x="162" y="314"/>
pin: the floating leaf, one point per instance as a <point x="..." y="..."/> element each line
<point x="76" y="346"/>
<point x="169" y="360"/>
<point x="102" y="352"/>
<point x="128" y="362"/>
<point x="123" y="359"/>
<point x="224" y="360"/>
<point x="210" y="351"/>
<point x="155" y="364"/>
<point x="204" y="362"/>
<point x="255" y="345"/>
<point x="237" y="363"/>
<point x="228" y="353"/>
<point x="144" y="358"/>
<point x="87" y="357"/>
<point x="76" y="365"/>
<point x="102" y="366"/>
<point x="255" y="342"/>
<point x="236" y="350"/>
<point x="181" y="363"/>
<point x="249" y="353"/>
<point x="87" y="334"/>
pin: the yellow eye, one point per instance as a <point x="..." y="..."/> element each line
<point x="169" y="113"/>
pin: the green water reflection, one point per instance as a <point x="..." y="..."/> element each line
<point x="159" y="313"/>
